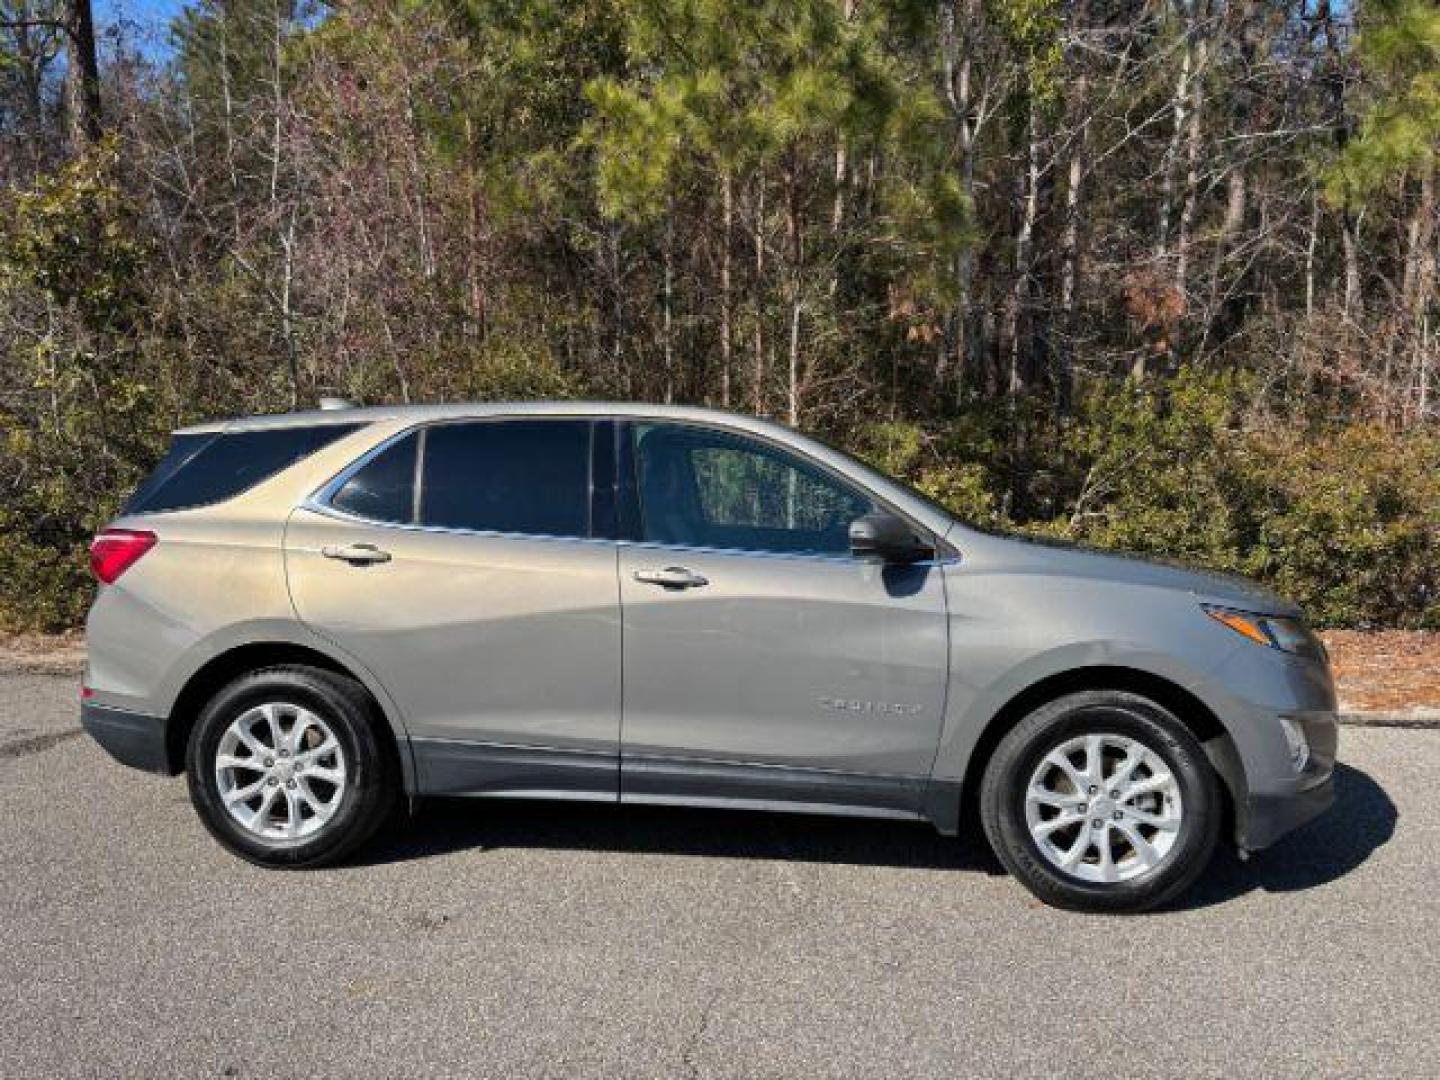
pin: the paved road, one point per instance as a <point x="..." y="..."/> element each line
<point x="515" y="940"/>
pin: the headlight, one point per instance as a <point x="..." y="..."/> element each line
<point x="1274" y="631"/>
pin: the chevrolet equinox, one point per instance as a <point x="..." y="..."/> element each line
<point x="317" y="615"/>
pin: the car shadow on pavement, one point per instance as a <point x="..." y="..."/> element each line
<point x="1362" y="819"/>
<point x="1340" y="840"/>
<point x="446" y="825"/>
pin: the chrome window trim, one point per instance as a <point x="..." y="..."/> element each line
<point x="444" y="530"/>
<point x="326" y="510"/>
<point x="761" y="553"/>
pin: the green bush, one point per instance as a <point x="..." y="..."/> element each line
<point x="1349" y="524"/>
<point x="1344" y="519"/>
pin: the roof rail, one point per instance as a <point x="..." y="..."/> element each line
<point x="329" y="404"/>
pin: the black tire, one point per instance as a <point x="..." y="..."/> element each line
<point x="371" y="784"/>
<point x="1016" y="759"/>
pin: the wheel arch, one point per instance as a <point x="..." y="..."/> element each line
<point x="1198" y="717"/>
<point x="226" y="666"/>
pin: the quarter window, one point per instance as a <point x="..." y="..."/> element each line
<point x="519" y="476"/>
<point x="383" y="489"/>
<point x="702" y="488"/>
<point x="204" y="469"/>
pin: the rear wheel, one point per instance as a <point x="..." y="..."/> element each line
<point x="1102" y="801"/>
<point x="286" y="767"/>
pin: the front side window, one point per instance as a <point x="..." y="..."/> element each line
<point x="514" y="476"/>
<point x="703" y="488"/>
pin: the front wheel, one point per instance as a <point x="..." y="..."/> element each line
<point x="1102" y="801"/>
<point x="286" y="767"/>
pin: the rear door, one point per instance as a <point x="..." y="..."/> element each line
<point x="463" y="564"/>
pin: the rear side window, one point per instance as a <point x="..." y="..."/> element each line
<point x="204" y="469"/>
<point x="383" y="489"/>
<point x="519" y="476"/>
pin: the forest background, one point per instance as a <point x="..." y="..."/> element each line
<point x="1156" y="275"/>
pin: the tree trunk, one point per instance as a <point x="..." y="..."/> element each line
<point x="1340" y="135"/>
<point x="1350" y="240"/>
<point x="956" y="54"/>
<point x="1310" y="246"/>
<point x="792" y="413"/>
<point x="1192" y="171"/>
<point x="1235" y="199"/>
<point x="795" y="276"/>
<point x="727" y="229"/>
<point x="1179" y="105"/>
<point x="667" y="325"/>
<point x="82" y="79"/>
<point x="1024" y="239"/>
<point x="475" y="288"/>
<point x="1079" y="111"/>
<point x="1420" y="284"/>
<point x="758" y="403"/>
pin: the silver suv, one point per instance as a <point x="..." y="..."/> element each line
<point x="315" y="615"/>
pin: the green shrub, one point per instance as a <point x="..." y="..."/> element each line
<point x="1350" y="524"/>
<point x="1344" y="519"/>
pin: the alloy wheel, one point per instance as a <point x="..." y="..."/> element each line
<point x="281" y="771"/>
<point x="1103" y="808"/>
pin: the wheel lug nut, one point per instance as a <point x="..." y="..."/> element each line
<point x="1093" y="789"/>
<point x="284" y="753"/>
<point x="269" y="762"/>
<point x="272" y="781"/>
<point x="1097" y="824"/>
<point x="1119" y="814"/>
<point x="290" y="783"/>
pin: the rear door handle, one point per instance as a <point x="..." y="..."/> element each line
<point x="355" y="554"/>
<point x="672" y="577"/>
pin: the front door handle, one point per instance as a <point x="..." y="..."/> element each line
<point x="355" y="554"/>
<point x="672" y="577"/>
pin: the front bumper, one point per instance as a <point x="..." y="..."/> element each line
<point x="130" y="738"/>
<point x="1279" y="807"/>
<point x="1270" y="817"/>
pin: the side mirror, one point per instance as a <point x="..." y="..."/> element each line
<point x="885" y="537"/>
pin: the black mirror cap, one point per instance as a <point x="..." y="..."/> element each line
<point x="887" y="538"/>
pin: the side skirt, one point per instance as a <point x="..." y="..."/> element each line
<point x="449" y="767"/>
<point x="682" y="782"/>
<point x="455" y="767"/>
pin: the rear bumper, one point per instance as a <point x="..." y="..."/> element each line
<point x="130" y="738"/>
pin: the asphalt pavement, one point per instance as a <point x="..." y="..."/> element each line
<point x="522" y="939"/>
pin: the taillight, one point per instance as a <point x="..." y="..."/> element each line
<point x="115" y="550"/>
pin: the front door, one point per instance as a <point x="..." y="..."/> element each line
<point x="763" y="664"/>
<point x="484" y="602"/>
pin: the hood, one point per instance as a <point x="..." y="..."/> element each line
<point x="1027" y="555"/>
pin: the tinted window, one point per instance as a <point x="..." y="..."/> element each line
<point x="383" y="489"/>
<point x="520" y="476"/>
<point x="203" y="469"/>
<point x="182" y="449"/>
<point x="709" y="489"/>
